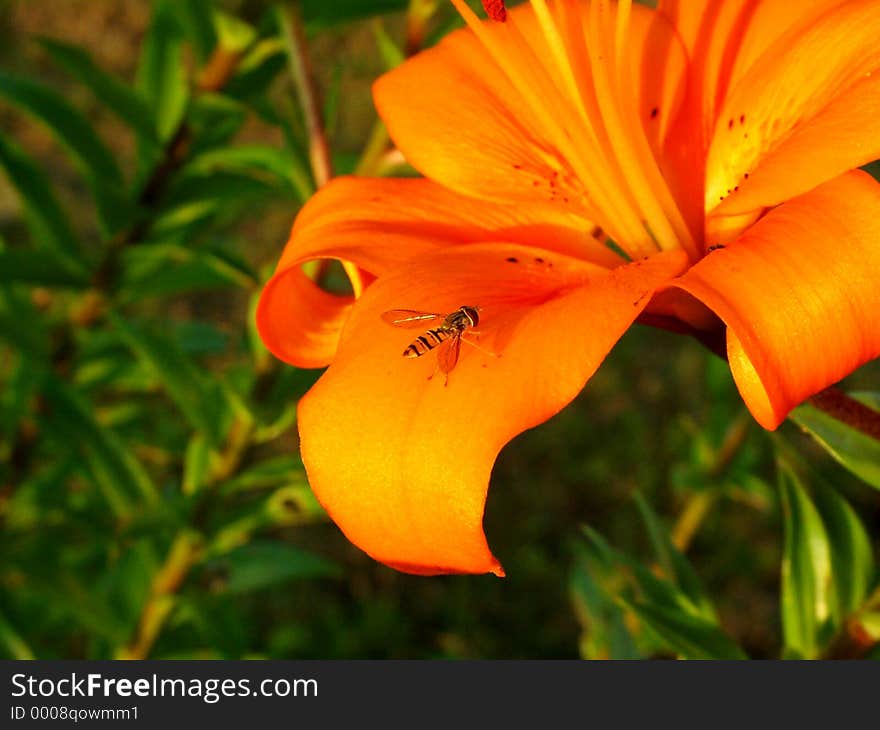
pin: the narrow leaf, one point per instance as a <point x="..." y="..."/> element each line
<point x="161" y="73"/>
<point x="47" y="222"/>
<point x="70" y="127"/>
<point x="262" y="565"/>
<point x="42" y="267"/>
<point x="117" y="472"/>
<point x="852" y="557"/>
<point x="162" y="270"/>
<point x="198" y="398"/>
<point x="689" y="636"/>
<point x="280" y="162"/>
<point x="320" y="14"/>
<point x="196" y="463"/>
<point x="854" y="450"/>
<point x="675" y="566"/>
<point x="806" y="572"/>
<point x="124" y="101"/>
<point x="195" y="17"/>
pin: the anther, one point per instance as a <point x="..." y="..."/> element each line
<point x="495" y="9"/>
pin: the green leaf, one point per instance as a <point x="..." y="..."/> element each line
<point x="39" y="266"/>
<point x="234" y="33"/>
<point x="281" y="163"/>
<point x="77" y="135"/>
<point x="23" y="329"/>
<point x="257" y="70"/>
<point x="676" y="621"/>
<point x="261" y="565"/>
<point x="15" y="646"/>
<point x="20" y="385"/>
<point x="689" y="636"/>
<point x="392" y="54"/>
<point x="198" y="398"/>
<point x="854" y="450"/>
<point x="70" y="127"/>
<point x="196" y="19"/>
<point x="196" y="463"/>
<point x="674" y="565"/>
<point x="852" y="557"/>
<point x="605" y="633"/>
<point x="807" y="588"/>
<point x="113" y="467"/>
<point x="47" y="222"/>
<point x="161" y="75"/>
<point x="320" y="14"/>
<point x="124" y="101"/>
<point x="215" y="120"/>
<point x="163" y="270"/>
<point x="225" y="188"/>
<point x="280" y="470"/>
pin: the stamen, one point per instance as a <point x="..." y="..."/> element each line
<point x="495" y="9"/>
<point x="574" y="78"/>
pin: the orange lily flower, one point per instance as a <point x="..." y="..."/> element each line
<point x="587" y="165"/>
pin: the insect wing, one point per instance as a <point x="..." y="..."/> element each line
<point x="408" y="318"/>
<point x="447" y="356"/>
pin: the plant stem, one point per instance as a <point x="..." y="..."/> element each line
<point x="183" y="554"/>
<point x="848" y="410"/>
<point x="185" y="551"/>
<point x="695" y="510"/>
<point x="294" y="36"/>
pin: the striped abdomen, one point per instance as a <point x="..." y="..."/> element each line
<point x="428" y="341"/>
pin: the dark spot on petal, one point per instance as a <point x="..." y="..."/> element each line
<point x="539" y="260"/>
<point x="730" y="124"/>
<point x="512" y="259"/>
<point x="654" y="112"/>
<point x="517" y="166"/>
<point x="746" y="176"/>
<point x="742" y="118"/>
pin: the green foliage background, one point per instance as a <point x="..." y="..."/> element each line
<point x="152" y="501"/>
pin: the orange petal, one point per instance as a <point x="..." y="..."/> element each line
<point x="843" y="136"/>
<point x="458" y="118"/>
<point x="815" y="74"/>
<point x="374" y="225"/>
<point x="799" y="294"/>
<point x="402" y="462"/>
<point x="723" y="40"/>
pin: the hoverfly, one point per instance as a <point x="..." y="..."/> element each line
<point x="448" y="333"/>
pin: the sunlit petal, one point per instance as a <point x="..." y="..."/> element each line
<point x="401" y="459"/>
<point x="799" y="294"/>
<point x="374" y="225"/>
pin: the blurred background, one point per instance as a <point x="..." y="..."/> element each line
<point x="153" y="156"/>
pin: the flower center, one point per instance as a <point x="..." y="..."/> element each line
<point x="573" y="67"/>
